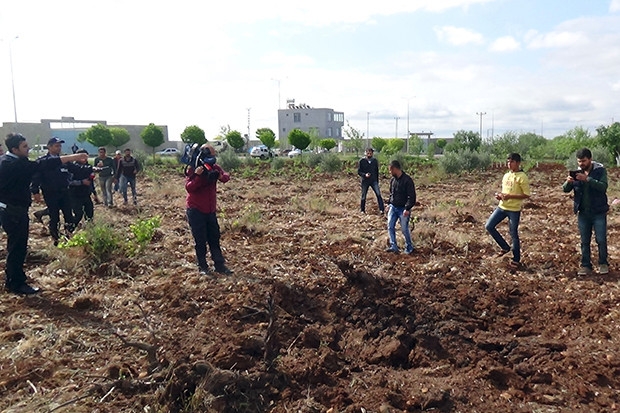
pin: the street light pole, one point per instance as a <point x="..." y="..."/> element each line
<point x="279" y="101"/>
<point x="13" y="79"/>
<point x="367" y="129"/>
<point x="481" y="114"/>
<point x="396" y="131"/>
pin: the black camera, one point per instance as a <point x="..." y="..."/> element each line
<point x="574" y="173"/>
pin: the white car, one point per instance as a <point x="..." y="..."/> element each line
<point x="294" y="153"/>
<point x="168" y="152"/>
<point x="261" y="152"/>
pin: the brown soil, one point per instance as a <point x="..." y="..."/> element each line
<point x="317" y="318"/>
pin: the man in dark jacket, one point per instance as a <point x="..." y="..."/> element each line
<point x="402" y="199"/>
<point x="81" y="188"/>
<point x="590" y="204"/>
<point x="16" y="173"/>
<point x="128" y="168"/>
<point x="105" y="166"/>
<point x="55" y="187"/>
<point x="368" y="170"/>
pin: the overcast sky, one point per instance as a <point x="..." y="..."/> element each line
<point x="530" y="65"/>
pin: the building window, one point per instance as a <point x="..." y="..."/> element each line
<point x="339" y="117"/>
<point x="329" y="132"/>
<point x="296" y="117"/>
<point x="329" y="116"/>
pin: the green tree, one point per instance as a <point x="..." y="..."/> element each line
<point x="120" y="136"/>
<point x="152" y="136"/>
<point x="355" y="139"/>
<point x="504" y="144"/>
<point x="327" y="144"/>
<point x="193" y="134"/>
<point x="98" y="135"/>
<point x="609" y="137"/>
<point x="529" y="144"/>
<point x="564" y="146"/>
<point x="315" y="137"/>
<point x="378" y="143"/>
<point x="299" y="139"/>
<point x="415" y="144"/>
<point x="464" y="140"/>
<point x="441" y="144"/>
<point x="235" y="139"/>
<point x="393" y="146"/>
<point x="266" y="136"/>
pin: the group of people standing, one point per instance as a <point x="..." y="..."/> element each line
<point x="70" y="189"/>
<point x="589" y="183"/>
<point x="67" y="183"/>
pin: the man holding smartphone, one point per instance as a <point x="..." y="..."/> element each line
<point x="590" y="204"/>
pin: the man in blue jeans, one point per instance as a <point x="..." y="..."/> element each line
<point x="590" y="204"/>
<point x="368" y="170"/>
<point x="515" y="189"/>
<point x="402" y="199"/>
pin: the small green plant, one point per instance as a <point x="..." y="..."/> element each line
<point x="98" y="241"/>
<point x="249" y="217"/>
<point x="277" y="163"/>
<point x="144" y="229"/>
<point x="314" y="159"/>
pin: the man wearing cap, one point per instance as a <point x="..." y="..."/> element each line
<point x="515" y="189"/>
<point x="16" y="172"/>
<point x="55" y="187"/>
<point x="368" y="170"/>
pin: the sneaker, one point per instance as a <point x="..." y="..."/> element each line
<point x="584" y="271"/>
<point x="409" y="251"/>
<point x="392" y="250"/>
<point x="125" y="202"/>
<point x="204" y="270"/>
<point x="223" y="270"/>
<point x="603" y="269"/>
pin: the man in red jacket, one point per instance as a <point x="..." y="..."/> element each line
<point x="201" y="186"/>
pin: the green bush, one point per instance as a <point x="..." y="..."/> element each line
<point x="314" y="159"/>
<point x="330" y="163"/>
<point x="143" y="231"/>
<point x="278" y="163"/>
<point x="229" y="160"/>
<point x="250" y="162"/>
<point x="98" y="240"/>
<point x="464" y="160"/>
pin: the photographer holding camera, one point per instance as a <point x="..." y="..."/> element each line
<point x="590" y="204"/>
<point x="201" y="185"/>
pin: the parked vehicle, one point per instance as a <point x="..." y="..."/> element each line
<point x="168" y="152"/>
<point x="294" y="153"/>
<point x="261" y="152"/>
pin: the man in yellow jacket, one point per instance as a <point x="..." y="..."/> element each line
<point x="515" y="188"/>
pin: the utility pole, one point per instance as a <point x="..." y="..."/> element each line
<point x="481" y="114"/>
<point x="368" y="129"/>
<point x="396" y="131"/>
<point x="249" y="124"/>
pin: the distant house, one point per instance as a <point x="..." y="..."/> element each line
<point x="324" y="122"/>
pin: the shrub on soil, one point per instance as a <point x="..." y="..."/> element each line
<point x="330" y="163"/>
<point x="229" y="160"/>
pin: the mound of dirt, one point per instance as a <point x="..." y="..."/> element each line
<point x="317" y="317"/>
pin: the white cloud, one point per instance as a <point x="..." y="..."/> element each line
<point x="556" y="39"/>
<point x="457" y="36"/>
<point x="614" y="6"/>
<point x="505" y="44"/>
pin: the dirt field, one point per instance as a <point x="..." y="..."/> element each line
<point x="317" y="317"/>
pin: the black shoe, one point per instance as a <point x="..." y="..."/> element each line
<point x="204" y="270"/>
<point x="392" y="250"/>
<point x="38" y="215"/>
<point x="223" y="270"/>
<point x="24" y="289"/>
